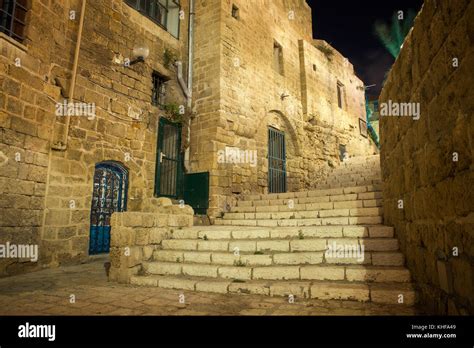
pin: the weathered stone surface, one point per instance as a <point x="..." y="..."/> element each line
<point x="276" y="273"/>
<point x="322" y="273"/>
<point x="418" y="157"/>
<point x="334" y="291"/>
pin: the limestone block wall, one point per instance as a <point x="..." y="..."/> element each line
<point x="428" y="164"/>
<point x="136" y="235"/>
<point x="323" y="68"/>
<point x="45" y="196"/>
<point x="239" y="94"/>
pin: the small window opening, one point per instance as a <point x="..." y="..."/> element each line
<point x="278" y="58"/>
<point x="235" y="12"/>
<point x="340" y="91"/>
<point x="158" y="90"/>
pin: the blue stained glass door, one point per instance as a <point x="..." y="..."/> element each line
<point x="109" y="196"/>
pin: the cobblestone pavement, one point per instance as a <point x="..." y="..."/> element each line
<point x="48" y="292"/>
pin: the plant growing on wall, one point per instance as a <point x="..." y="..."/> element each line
<point x="173" y="111"/>
<point x="169" y="58"/>
<point x="392" y="35"/>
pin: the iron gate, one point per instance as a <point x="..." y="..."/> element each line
<point x="109" y="195"/>
<point x="168" y="181"/>
<point x="276" y="161"/>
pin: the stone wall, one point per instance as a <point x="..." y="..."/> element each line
<point x="427" y="164"/>
<point x="136" y="235"/>
<point x="45" y="195"/>
<point x="238" y="95"/>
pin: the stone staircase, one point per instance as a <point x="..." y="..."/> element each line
<point x="327" y="244"/>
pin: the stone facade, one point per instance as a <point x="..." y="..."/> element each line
<point x="46" y="187"/>
<point x="428" y="163"/>
<point x="47" y="179"/>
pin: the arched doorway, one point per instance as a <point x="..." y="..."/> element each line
<point x="109" y="196"/>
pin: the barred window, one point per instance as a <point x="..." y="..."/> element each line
<point x="13" y="18"/>
<point x="158" y="90"/>
<point x="163" y="12"/>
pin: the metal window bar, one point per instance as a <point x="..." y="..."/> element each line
<point x="277" y="161"/>
<point x="11" y="22"/>
<point x="159" y="90"/>
<point x="155" y="10"/>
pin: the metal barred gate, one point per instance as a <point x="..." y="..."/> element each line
<point x="276" y="161"/>
<point x="169" y="173"/>
<point x="109" y="195"/>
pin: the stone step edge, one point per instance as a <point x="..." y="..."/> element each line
<point x="196" y="257"/>
<point x="383" y="293"/>
<point x="327" y="266"/>
<point x="276" y="244"/>
<point x="317" y="213"/>
<point x="285" y="207"/>
<point x="339" y="198"/>
<point x="250" y="253"/>
<point x="328" y="221"/>
<point x="315" y="193"/>
<point x="215" y="232"/>
<point x="350" y="273"/>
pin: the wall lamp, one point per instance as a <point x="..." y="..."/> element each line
<point x="139" y="54"/>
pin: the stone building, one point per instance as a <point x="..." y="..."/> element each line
<point x="261" y="70"/>
<point x="102" y="112"/>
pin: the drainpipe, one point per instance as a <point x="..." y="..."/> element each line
<point x="62" y="144"/>
<point x="182" y="83"/>
<point x="190" y="78"/>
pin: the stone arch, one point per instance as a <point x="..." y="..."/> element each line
<point x="286" y="124"/>
<point x="280" y="121"/>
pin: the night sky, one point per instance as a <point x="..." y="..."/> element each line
<point x="348" y="25"/>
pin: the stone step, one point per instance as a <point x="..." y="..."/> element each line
<point x="384" y="293"/>
<point x="348" y="220"/>
<point x="349" y="273"/>
<point x="375" y="258"/>
<point x="288" y="245"/>
<point x="322" y="205"/>
<point x="297" y="213"/>
<point x="237" y="233"/>
<point x="314" y="193"/>
<point x="289" y="202"/>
